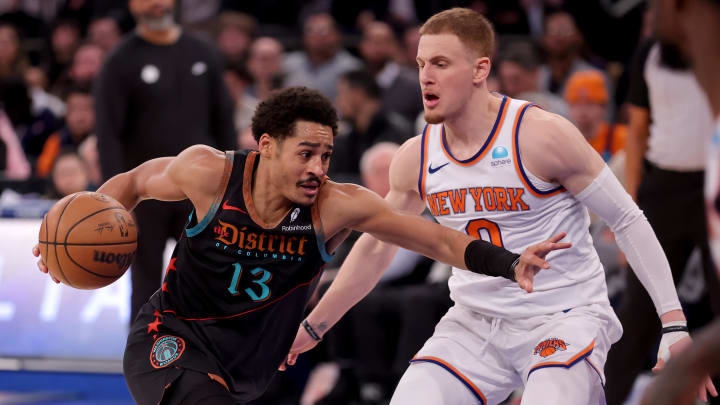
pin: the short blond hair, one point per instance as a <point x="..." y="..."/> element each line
<point x="473" y="30"/>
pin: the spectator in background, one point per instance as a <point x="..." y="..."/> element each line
<point x="235" y="35"/>
<point x="410" y="39"/>
<point x="160" y="91"/>
<point x="265" y="64"/>
<point x="37" y="82"/>
<point x="64" y="40"/>
<point x="79" y="124"/>
<point x="237" y="79"/>
<point x="86" y="64"/>
<point x="33" y="126"/>
<point x="323" y="61"/>
<point x="561" y="42"/>
<point x="88" y="150"/>
<point x="105" y="33"/>
<point x="12" y="61"/>
<point x="519" y="73"/>
<point x="380" y="49"/>
<point x="13" y="164"/>
<point x="587" y="96"/>
<point x="69" y="175"/>
<point x="359" y="103"/>
<point x="669" y="127"/>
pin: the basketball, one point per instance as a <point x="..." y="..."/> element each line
<point x="87" y="240"/>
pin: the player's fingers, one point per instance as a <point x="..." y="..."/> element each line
<point x="557" y="237"/>
<point x="710" y="387"/>
<point x="292" y="358"/>
<point x="702" y="394"/>
<point x="658" y="366"/>
<point x="36" y="251"/>
<point x="538" y="262"/>
<point x="42" y="266"/>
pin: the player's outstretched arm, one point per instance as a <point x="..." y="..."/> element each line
<point x="553" y="149"/>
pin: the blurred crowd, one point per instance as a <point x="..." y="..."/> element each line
<point x="68" y="113"/>
<point x="359" y="55"/>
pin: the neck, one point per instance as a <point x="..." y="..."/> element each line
<point x="472" y="126"/>
<point x="364" y="117"/>
<point x="162" y="37"/>
<point x="270" y="205"/>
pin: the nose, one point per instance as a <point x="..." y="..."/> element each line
<point x="426" y="76"/>
<point x="316" y="167"/>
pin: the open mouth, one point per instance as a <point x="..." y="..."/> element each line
<point x="430" y="99"/>
<point x="310" y="188"/>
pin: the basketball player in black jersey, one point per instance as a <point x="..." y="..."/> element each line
<point x="251" y="254"/>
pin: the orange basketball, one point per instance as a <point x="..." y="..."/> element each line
<point x="87" y="240"/>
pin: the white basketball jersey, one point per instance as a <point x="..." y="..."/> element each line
<point x="493" y="197"/>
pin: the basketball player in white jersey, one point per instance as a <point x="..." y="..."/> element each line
<point x="693" y="27"/>
<point x="507" y="172"/>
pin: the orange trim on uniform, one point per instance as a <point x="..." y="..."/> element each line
<point x="424" y="160"/>
<point x="583" y="353"/>
<point x="516" y="158"/>
<point x="486" y="147"/>
<point x="475" y="390"/>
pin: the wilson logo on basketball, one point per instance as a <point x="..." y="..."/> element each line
<point x="122" y="260"/>
<point x="550" y="346"/>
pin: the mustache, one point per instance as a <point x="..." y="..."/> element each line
<point x="311" y="179"/>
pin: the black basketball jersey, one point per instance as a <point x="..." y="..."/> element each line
<point x="235" y="291"/>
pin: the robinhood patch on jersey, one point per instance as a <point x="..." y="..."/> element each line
<point x="166" y="350"/>
<point x="550" y="346"/>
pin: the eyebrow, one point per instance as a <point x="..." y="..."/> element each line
<point x="314" y="144"/>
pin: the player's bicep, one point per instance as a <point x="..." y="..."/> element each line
<point x="157" y="179"/>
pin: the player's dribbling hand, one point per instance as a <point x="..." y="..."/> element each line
<point x="303" y="342"/>
<point x="674" y="350"/>
<point x="41" y="264"/>
<point x="532" y="260"/>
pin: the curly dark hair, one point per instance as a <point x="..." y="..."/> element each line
<point x="276" y="116"/>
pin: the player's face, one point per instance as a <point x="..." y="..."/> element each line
<point x="446" y="75"/>
<point x="302" y="161"/>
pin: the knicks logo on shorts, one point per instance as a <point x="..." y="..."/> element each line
<point x="550" y="346"/>
<point x="166" y="350"/>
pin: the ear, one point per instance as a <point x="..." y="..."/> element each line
<point x="266" y="145"/>
<point x="481" y="70"/>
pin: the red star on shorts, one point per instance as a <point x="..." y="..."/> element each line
<point x="153" y="326"/>
<point x="171" y="266"/>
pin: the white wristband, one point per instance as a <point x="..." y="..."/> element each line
<point x="670" y="338"/>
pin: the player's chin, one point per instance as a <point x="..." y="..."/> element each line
<point x="433" y="117"/>
<point x="303" y="198"/>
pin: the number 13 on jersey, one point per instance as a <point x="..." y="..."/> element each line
<point x="261" y="277"/>
<point x="475" y="227"/>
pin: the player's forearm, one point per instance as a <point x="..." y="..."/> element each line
<point x="123" y="188"/>
<point x="635" y="237"/>
<point x="358" y="275"/>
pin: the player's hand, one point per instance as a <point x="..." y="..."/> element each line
<point x="41" y="264"/>
<point x="303" y="342"/>
<point x="673" y="351"/>
<point x="532" y="260"/>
